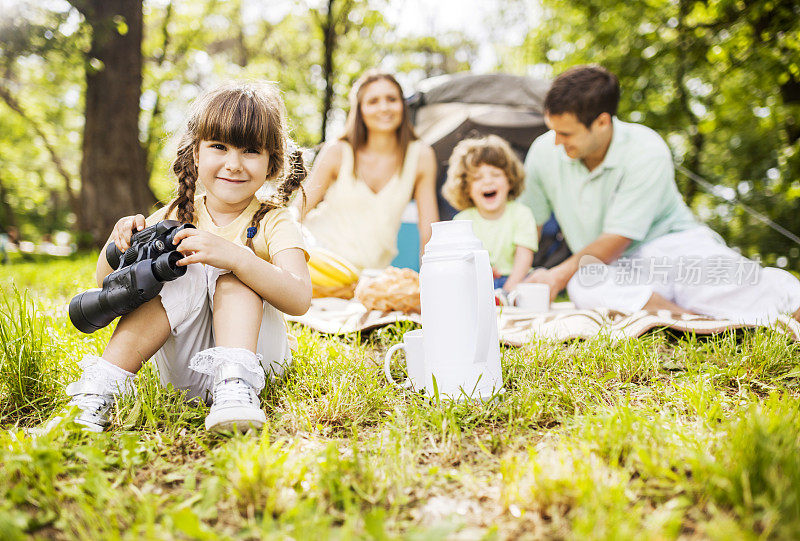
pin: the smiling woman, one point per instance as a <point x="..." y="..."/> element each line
<point x="362" y="182"/>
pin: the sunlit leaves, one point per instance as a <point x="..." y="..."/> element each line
<point x="719" y="79"/>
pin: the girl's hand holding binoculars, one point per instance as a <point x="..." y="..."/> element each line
<point x="203" y="247"/>
<point x="124" y="229"/>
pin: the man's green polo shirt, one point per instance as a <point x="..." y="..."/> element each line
<point x="632" y="193"/>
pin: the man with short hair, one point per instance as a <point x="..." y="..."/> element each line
<point x="635" y="243"/>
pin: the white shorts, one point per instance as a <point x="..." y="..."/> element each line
<point x="695" y="270"/>
<point x="188" y="302"/>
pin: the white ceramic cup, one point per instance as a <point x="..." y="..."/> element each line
<point x="531" y="296"/>
<point x="415" y="360"/>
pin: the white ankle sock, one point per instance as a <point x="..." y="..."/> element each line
<point x="121" y="373"/>
<point x="105" y="376"/>
<point x="208" y="360"/>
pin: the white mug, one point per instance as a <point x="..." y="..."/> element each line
<point x="415" y="360"/>
<point x="531" y="296"/>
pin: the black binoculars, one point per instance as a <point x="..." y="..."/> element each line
<point x="140" y="274"/>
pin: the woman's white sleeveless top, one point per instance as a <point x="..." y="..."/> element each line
<point x="358" y="223"/>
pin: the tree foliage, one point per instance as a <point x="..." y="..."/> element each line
<point x="46" y="57"/>
<point x="40" y="132"/>
<point x="719" y="79"/>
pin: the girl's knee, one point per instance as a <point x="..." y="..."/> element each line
<point x="229" y="286"/>
<point x="237" y="314"/>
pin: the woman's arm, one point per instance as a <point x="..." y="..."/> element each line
<point x="425" y="195"/>
<point x="523" y="258"/>
<point x="325" y="170"/>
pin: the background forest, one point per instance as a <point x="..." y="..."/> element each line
<point x="91" y="91"/>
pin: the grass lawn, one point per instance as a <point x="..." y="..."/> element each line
<point x="652" y="438"/>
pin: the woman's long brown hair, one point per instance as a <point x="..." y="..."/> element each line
<point x="355" y="128"/>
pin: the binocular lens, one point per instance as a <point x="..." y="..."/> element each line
<point x="87" y="314"/>
<point x="165" y="267"/>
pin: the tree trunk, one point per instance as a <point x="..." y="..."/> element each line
<point x="7" y="217"/>
<point x="329" y="45"/>
<point x="114" y="167"/>
<point x="790" y="92"/>
<point x="697" y="140"/>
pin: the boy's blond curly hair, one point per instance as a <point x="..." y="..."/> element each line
<point x="470" y="154"/>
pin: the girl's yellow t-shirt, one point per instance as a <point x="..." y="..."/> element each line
<point x="277" y="231"/>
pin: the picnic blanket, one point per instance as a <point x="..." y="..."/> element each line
<point x="517" y="326"/>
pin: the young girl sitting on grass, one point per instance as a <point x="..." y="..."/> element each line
<point x="214" y="331"/>
<point x="483" y="179"/>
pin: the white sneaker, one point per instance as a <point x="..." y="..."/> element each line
<point x="94" y="409"/>
<point x="89" y="411"/>
<point x="96" y="390"/>
<point x="236" y="405"/>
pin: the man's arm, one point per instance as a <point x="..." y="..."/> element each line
<point x="607" y="248"/>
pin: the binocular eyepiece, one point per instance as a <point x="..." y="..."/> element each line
<point x="140" y="274"/>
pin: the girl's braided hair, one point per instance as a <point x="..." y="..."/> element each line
<point x="244" y="115"/>
<point x="292" y="181"/>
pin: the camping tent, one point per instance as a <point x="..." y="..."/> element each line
<point x="449" y="108"/>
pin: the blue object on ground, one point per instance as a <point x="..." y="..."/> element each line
<point x="407" y="247"/>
